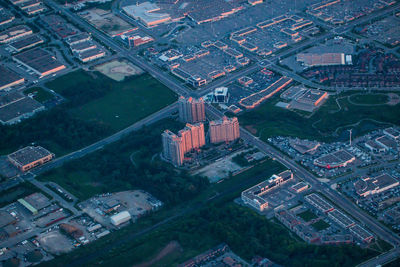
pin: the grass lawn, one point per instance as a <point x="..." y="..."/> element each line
<point x="320" y="225"/>
<point x="39" y="94"/>
<point x="329" y="123"/>
<point x="307" y="215"/>
<point x="369" y="99"/>
<point x="127" y="103"/>
<point x="97" y="98"/>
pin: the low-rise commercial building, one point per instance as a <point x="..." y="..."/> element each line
<point x="29" y="157"/>
<point x="370" y="186"/>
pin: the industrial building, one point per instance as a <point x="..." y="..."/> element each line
<point x="34" y="202"/>
<point x="28" y="42"/>
<point x="14" y="33"/>
<point x="91" y="54"/>
<point x="225" y="130"/>
<point x="371" y="186"/>
<point x="253" y="195"/>
<point x="39" y="61"/>
<point x="9" y="78"/>
<point x="175" y="146"/>
<point x="392" y="133"/>
<point x="5" y="16"/>
<point x="14" y="107"/>
<point x="29" y="157"/>
<point x="78" y="38"/>
<point x="120" y="218"/>
<point x="191" y="110"/>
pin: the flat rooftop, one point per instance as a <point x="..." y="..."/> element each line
<point x="8" y="77"/>
<point x="77" y="38"/>
<point x="13" y="110"/>
<point x="26" y="42"/>
<point x="14" y="32"/>
<point x="39" y="60"/>
<point x="37" y="200"/>
<point x="29" y="154"/>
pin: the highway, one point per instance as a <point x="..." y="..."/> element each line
<point x="163" y="113"/>
<point x="338" y="199"/>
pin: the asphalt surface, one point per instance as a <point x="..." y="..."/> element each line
<point x="175" y="85"/>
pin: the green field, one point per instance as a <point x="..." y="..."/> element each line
<point x="369" y="99"/>
<point x="95" y="97"/>
<point x="39" y="94"/>
<point x="307" y="215"/>
<point x="327" y="124"/>
<point x="320" y="225"/>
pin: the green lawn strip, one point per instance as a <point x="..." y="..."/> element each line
<point x="320" y="225"/>
<point x="269" y="120"/>
<point x="369" y="99"/>
<point x="39" y="94"/>
<point x="307" y="215"/>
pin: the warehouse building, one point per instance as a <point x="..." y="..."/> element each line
<point x="14" y="33"/>
<point x="14" y="107"/>
<point x="26" y="43"/>
<point x="9" y="78"/>
<point x="29" y="157"/>
<point x="78" y="38"/>
<point x="39" y="61"/>
<point x="120" y="218"/>
<point x="5" y="16"/>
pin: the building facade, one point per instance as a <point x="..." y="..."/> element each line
<point x="191" y="110"/>
<point x="225" y="130"/>
<point x="189" y="138"/>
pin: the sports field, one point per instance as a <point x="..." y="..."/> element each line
<point x="118" y="70"/>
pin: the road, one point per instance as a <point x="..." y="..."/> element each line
<point x="163" y="113"/>
<point x="174" y="85"/>
<point x="324" y="189"/>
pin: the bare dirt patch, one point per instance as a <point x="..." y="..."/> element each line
<point x="119" y="69"/>
<point x="251" y="129"/>
<point x="170" y="248"/>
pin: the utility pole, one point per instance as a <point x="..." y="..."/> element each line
<point x="350" y="131"/>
